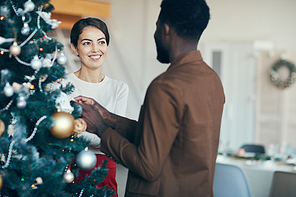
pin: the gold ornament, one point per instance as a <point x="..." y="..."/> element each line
<point x="63" y="125"/>
<point x="1" y="181"/>
<point x="2" y="127"/>
<point x="79" y="125"/>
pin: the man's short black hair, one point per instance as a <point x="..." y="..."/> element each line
<point x="189" y="18"/>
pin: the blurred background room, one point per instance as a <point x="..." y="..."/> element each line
<point x="248" y="43"/>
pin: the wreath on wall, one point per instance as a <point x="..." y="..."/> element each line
<point x="275" y="77"/>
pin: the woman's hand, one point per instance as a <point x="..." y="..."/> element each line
<point x="85" y="100"/>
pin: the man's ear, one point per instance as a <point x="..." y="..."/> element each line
<point x="166" y="28"/>
<point x="74" y="49"/>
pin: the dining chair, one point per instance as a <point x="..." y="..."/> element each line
<point x="283" y="184"/>
<point x="254" y="148"/>
<point x="292" y="151"/>
<point x="230" y="181"/>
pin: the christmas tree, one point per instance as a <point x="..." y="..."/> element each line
<point x="40" y="153"/>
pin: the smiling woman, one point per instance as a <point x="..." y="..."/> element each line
<point x="89" y="41"/>
<point x="92" y="50"/>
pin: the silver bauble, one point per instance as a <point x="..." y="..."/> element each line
<point x="8" y="90"/>
<point x="69" y="176"/>
<point x="62" y="59"/>
<point x="36" y="63"/>
<point x="86" y="160"/>
<point x="25" y="29"/>
<point x="15" y="49"/>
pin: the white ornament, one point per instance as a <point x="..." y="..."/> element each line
<point x="3" y="40"/>
<point x="62" y="59"/>
<point x="86" y="160"/>
<point x="8" y="90"/>
<point x="38" y="181"/>
<point x="15" y="49"/>
<point x="29" y="6"/>
<point x="68" y="176"/>
<point x="47" y="61"/>
<point x="46" y="17"/>
<point x="36" y="63"/>
<point x="30" y="78"/>
<point x="63" y="102"/>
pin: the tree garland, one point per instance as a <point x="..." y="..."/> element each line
<point x="277" y="80"/>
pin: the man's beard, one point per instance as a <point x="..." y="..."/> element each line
<point x="162" y="53"/>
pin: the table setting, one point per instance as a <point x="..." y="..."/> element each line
<point x="260" y="168"/>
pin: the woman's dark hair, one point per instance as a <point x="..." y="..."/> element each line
<point x="189" y="18"/>
<point x="79" y="26"/>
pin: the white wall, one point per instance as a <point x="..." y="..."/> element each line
<point x="132" y="26"/>
<point x="131" y="54"/>
<point x="272" y="20"/>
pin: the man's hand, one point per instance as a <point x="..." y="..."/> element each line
<point x="108" y="117"/>
<point x="94" y="120"/>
